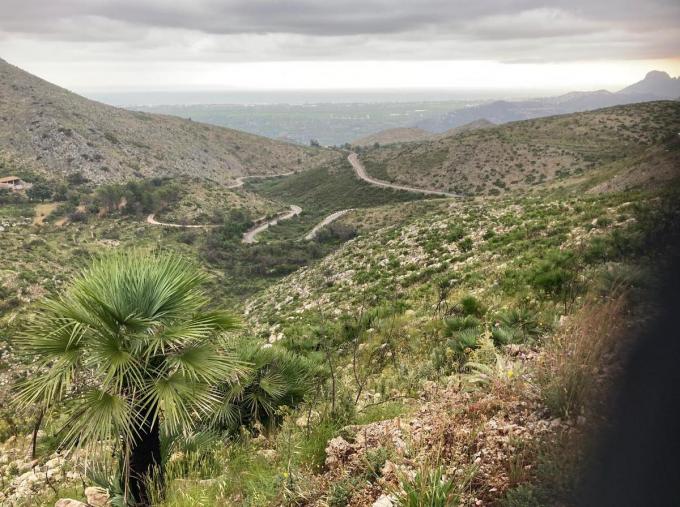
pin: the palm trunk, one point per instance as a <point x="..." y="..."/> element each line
<point x="145" y="462"/>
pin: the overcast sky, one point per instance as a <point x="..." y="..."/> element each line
<point x="108" y="45"/>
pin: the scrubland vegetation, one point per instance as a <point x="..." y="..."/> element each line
<point x="417" y="352"/>
<point x="521" y="155"/>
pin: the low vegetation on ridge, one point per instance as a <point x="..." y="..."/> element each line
<point x="521" y="155"/>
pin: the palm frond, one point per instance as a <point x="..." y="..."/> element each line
<point x="98" y="416"/>
<point x="130" y="337"/>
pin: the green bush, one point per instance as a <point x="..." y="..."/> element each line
<point x="276" y="378"/>
<point x="523" y="495"/>
<point x="471" y="306"/>
<point x="454" y="324"/>
<point x="428" y="488"/>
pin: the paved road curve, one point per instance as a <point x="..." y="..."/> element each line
<point x="330" y="218"/>
<point x="242" y="179"/>
<point x="251" y="234"/>
<point x="151" y="220"/>
<point x="361" y="173"/>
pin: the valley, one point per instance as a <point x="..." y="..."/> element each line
<point x="425" y="314"/>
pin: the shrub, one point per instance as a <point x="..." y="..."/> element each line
<point x="523" y="495"/>
<point x="429" y="487"/>
<point x="454" y="324"/>
<point x="465" y="245"/>
<point x="522" y="322"/>
<point x="137" y="327"/>
<point x="557" y="276"/>
<point x="471" y="306"/>
<point x="463" y="342"/>
<point x="277" y="377"/>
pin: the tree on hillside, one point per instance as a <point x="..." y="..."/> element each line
<point x="109" y="196"/>
<point x="40" y="191"/>
<point x="128" y="349"/>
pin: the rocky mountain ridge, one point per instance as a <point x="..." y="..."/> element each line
<point x="656" y="85"/>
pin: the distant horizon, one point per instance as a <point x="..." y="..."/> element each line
<point x="443" y="80"/>
<point x="312" y="96"/>
<point x="245" y="97"/>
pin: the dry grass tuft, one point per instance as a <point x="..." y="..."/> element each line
<point x="576" y="360"/>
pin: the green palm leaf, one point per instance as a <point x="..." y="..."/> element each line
<point x="129" y="344"/>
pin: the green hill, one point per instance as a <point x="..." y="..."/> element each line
<point x="526" y="154"/>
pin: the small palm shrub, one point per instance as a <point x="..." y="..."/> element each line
<point x="467" y="339"/>
<point x="461" y="336"/>
<point x="557" y="276"/>
<point x="455" y="324"/>
<point x="522" y="496"/>
<point x="276" y="378"/>
<point x="517" y="325"/>
<point x="429" y="487"/>
<point x="504" y="335"/>
<point x="469" y="305"/>
<point x="127" y="350"/>
<point x="501" y="371"/>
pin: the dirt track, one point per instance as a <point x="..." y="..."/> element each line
<point x="330" y="218"/>
<point x="242" y="179"/>
<point x="361" y="173"/>
<point x="151" y="220"/>
<point x="251" y="234"/>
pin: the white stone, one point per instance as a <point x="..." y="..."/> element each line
<point x="269" y="454"/>
<point x="383" y="501"/>
<point x="308" y="418"/>
<point x="97" y="497"/>
<point x="69" y="502"/>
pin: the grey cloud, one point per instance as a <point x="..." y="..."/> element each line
<point x="362" y="29"/>
<point x="321" y="17"/>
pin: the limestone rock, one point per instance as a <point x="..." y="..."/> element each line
<point x="308" y="418"/>
<point x="337" y="451"/>
<point x="383" y="501"/>
<point x="69" y="502"/>
<point x="97" y="497"/>
<point x="269" y="454"/>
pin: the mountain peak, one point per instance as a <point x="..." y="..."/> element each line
<point x="657" y="75"/>
<point x="657" y="84"/>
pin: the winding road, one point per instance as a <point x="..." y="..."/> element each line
<point x="361" y="173"/>
<point x="330" y="218"/>
<point x="152" y="220"/>
<point x="242" y="179"/>
<point x="251" y="234"/>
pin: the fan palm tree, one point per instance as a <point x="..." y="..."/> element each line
<point x="128" y="348"/>
<point x="276" y="377"/>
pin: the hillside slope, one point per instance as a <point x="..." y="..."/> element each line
<point x="409" y="135"/>
<point x="527" y="153"/>
<point x="395" y="135"/>
<point x="52" y="130"/>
